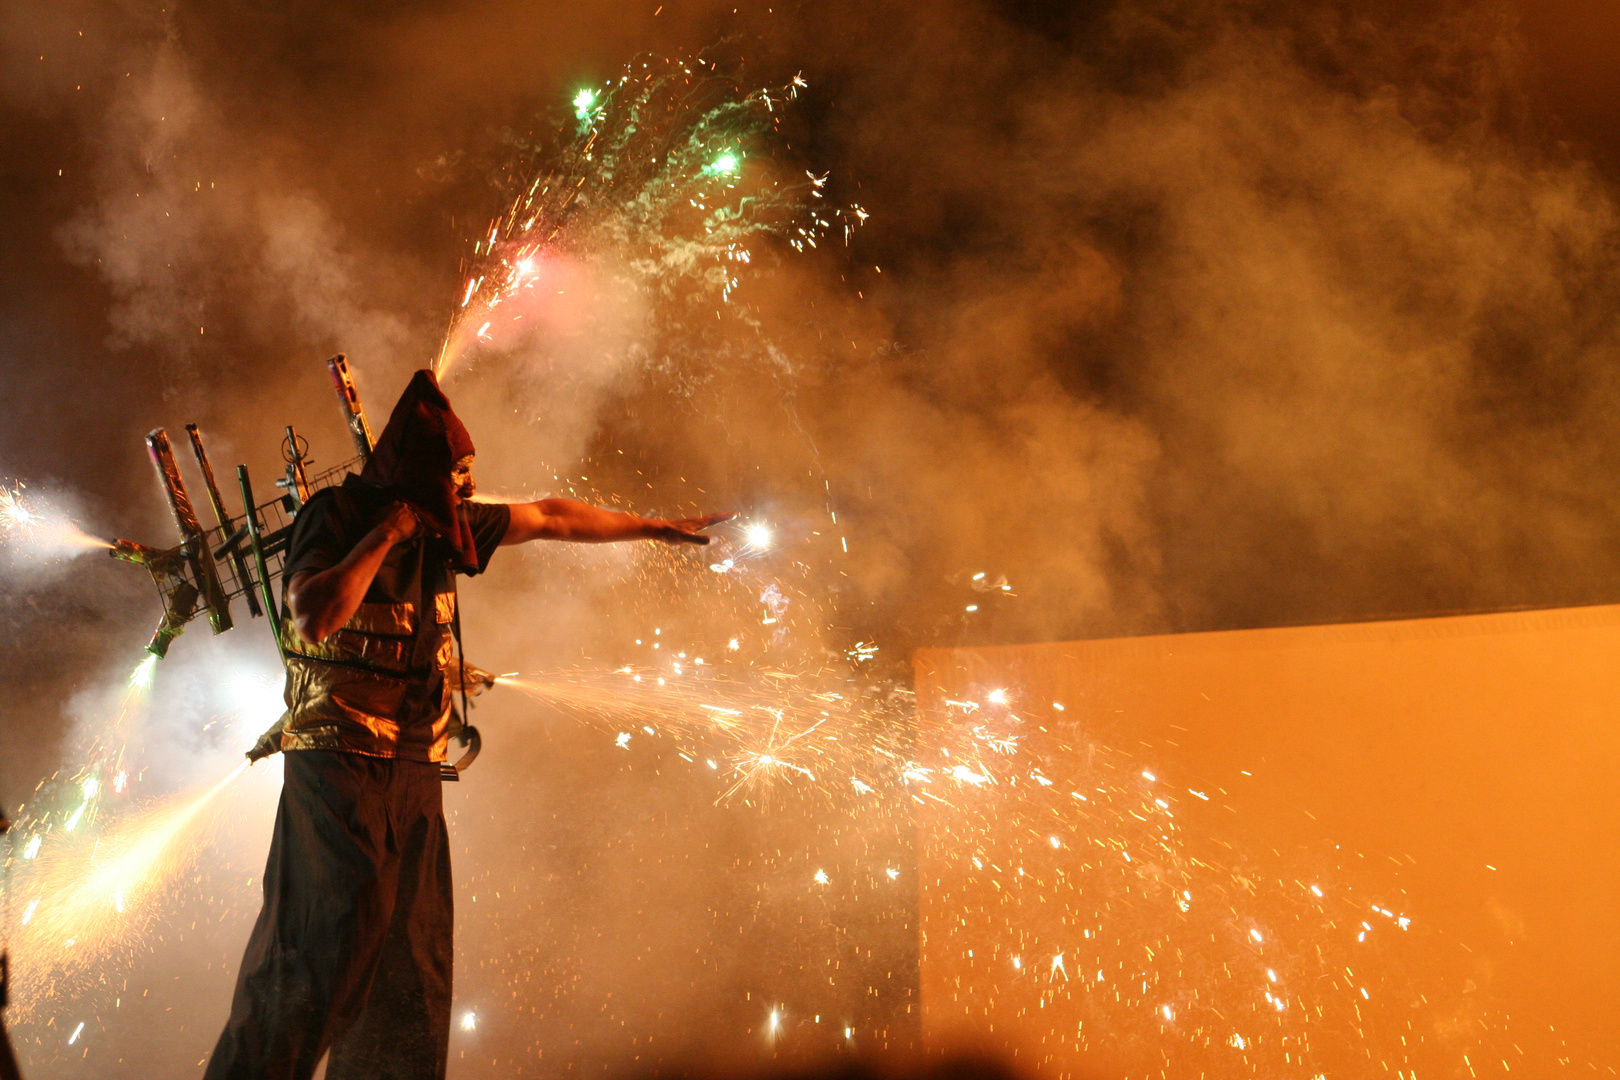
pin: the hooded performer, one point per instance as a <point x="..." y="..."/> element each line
<point x="352" y="950"/>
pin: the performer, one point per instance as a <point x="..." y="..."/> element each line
<point x="352" y="949"/>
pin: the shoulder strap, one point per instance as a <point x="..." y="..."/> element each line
<point x="461" y="653"/>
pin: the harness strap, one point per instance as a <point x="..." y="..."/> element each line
<point x="469" y="736"/>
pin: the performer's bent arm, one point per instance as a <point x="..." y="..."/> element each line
<point x="566" y="519"/>
<point x="323" y="600"/>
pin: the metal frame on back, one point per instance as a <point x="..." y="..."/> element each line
<point x="242" y="555"/>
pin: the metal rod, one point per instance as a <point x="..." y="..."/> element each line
<point x="296" y="482"/>
<point x="255" y="542"/>
<point x="212" y="488"/>
<point x="191" y="532"/>
<point x="218" y="503"/>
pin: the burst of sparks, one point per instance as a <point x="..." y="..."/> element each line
<point x="14" y="514"/>
<point x="44" y="531"/>
<point x="123" y="865"/>
<point x="651" y="169"/>
<point x="141" y="677"/>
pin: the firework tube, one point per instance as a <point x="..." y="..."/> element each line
<point x="214" y="500"/>
<point x="354" y="417"/>
<point x="197" y="554"/>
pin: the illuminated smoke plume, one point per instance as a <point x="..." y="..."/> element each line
<point x="35" y="529"/>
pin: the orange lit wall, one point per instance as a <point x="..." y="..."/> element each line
<point x="1460" y="773"/>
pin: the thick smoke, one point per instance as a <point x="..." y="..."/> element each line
<point x="1190" y="320"/>
<point x="1344" y="318"/>
<point x="192" y="225"/>
<point x="1169" y="316"/>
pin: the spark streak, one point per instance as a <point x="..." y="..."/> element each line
<point x="85" y="901"/>
<point x="649" y="172"/>
<point x="40" y="531"/>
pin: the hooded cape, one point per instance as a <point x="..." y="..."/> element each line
<point x="413" y="459"/>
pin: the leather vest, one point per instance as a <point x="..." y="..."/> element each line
<point x="346" y="692"/>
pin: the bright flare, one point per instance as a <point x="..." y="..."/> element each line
<point x="44" y="532"/>
<point x="141" y="677"/>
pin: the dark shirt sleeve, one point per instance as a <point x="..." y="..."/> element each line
<point x="319" y="540"/>
<point x="488" y="522"/>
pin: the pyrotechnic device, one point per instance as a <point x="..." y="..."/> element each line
<point x="241" y="555"/>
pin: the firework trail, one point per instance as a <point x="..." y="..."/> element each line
<point x="1079" y="881"/>
<point x="1086" y="902"/>
<point x="90" y="899"/>
<point x="1232" y="962"/>
<point x="40" y="530"/>
<point x="822" y="739"/>
<point x="671" y="167"/>
<point x="65" y="806"/>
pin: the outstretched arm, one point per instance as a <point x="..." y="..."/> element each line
<point x="566" y="519"/>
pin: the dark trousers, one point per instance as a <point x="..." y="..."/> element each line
<point x="352" y="949"/>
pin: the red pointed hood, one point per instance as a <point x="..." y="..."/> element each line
<point x="413" y="459"/>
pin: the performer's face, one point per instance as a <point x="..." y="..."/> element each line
<point x="461" y="476"/>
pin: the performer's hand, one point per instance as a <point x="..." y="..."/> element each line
<point x="686" y="530"/>
<point x="270" y="742"/>
<point x="399" y="523"/>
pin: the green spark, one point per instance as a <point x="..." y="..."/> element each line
<point x="584" y="101"/>
<point x="726" y="164"/>
<point x="141" y="677"/>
